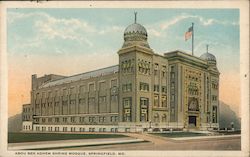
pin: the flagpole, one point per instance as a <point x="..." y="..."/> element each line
<point x="193" y="39"/>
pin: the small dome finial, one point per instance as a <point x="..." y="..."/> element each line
<point x="135" y="16"/>
<point x="207" y="48"/>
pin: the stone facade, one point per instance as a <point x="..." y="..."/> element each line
<point x="145" y="92"/>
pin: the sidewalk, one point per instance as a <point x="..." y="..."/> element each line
<point x="205" y="137"/>
<point x="69" y="143"/>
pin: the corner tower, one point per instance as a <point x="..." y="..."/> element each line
<point x="212" y="87"/>
<point x="135" y="61"/>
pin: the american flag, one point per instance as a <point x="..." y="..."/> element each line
<point x="189" y="33"/>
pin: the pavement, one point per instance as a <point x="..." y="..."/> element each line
<point x="205" y="137"/>
<point x="224" y="142"/>
<point x="70" y="143"/>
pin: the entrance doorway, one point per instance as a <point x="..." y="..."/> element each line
<point x="192" y="121"/>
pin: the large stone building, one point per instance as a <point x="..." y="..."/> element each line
<point x="145" y="92"/>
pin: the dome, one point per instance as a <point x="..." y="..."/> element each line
<point x="135" y="28"/>
<point x="135" y="35"/>
<point x="210" y="58"/>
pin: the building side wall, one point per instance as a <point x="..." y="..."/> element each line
<point x="90" y="101"/>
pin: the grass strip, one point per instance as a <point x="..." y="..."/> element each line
<point x="35" y="137"/>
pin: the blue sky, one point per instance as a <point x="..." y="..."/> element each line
<point x="79" y="40"/>
<point x="97" y="30"/>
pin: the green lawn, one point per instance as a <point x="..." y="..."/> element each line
<point x="179" y="134"/>
<point x="32" y="137"/>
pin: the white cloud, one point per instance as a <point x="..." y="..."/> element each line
<point x="165" y="25"/>
<point x="47" y="27"/>
<point x="203" y="21"/>
<point x="111" y="30"/>
<point x="154" y="32"/>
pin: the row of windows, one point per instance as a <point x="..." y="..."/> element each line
<point x="73" y="129"/>
<point x="144" y="86"/>
<point x="27" y="109"/>
<point x="127" y="87"/>
<point x="127" y="66"/>
<point x="157" y="89"/>
<point x="143" y="67"/>
<point x="214" y="97"/>
<point x="214" y="85"/>
<point x="163" y="70"/>
<point x="77" y="119"/>
<point x="163" y="101"/>
<point x="82" y="101"/>
<point x="27" y="117"/>
<point x="157" y="118"/>
<point x="73" y="90"/>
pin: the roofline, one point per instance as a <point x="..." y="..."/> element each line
<point x="91" y="71"/>
<point x="80" y="74"/>
<point x="184" y="53"/>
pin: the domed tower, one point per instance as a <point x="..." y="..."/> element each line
<point x="135" y="65"/>
<point x="212" y="87"/>
<point x="211" y="60"/>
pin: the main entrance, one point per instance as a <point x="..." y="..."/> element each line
<point x="192" y="121"/>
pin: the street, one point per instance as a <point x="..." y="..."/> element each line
<point x="163" y="143"/>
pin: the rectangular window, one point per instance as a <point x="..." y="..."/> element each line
<point x="102" y="86"/>
<point x="49" y="94"/>
<point x="214" y="114"/>
<point x="65" y="92"/>
<point x="102" y="99"/>
<point x="91" y="87"/>
<point x="156" y="100"/>
<point x="164" y="71"/>
<point x="156" y="88"/>
<point x="164" y="89"/>
<point x="37" y="96"/>
<point x="92" y="101"/>
<point x="144" y="102"/>
<point x="65" y="119"/>
<point x="113" y="97"/>
<point x="50" y="120"/>
<point x="81" y="119"/>
<point x="102" y="119"/>
<point x="82" y="89"/>
<point x="214" y="97"/>
<point x="172" y="97"/>
<point x="172" y="85"/>
<point x="82" y="101"/>
<point x="127" y="102"/>
<point x="72" y="119"/>
<point x="43" y="95"/>
<point x="127" y="87"/>
<point x="172" y="75"/>
<point x="113" y="83"/>
<point x="65" y="129"/>
<point x="164" y="101"/>
<point x="91" y="119"/>
<point x="156" y="68"/>
<point x="72" y="90"/>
